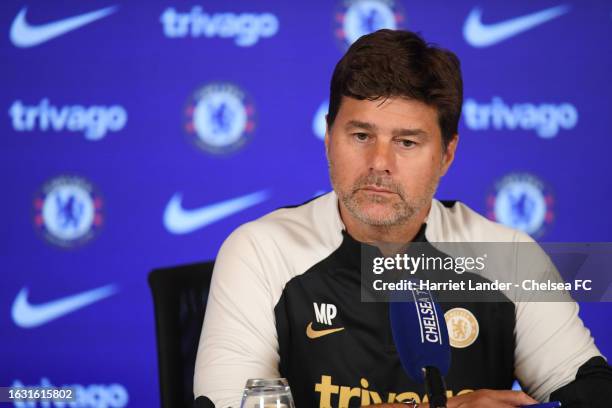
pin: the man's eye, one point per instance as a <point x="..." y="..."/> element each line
<point x="407" y="143"/>
<point x="361" y="136"/>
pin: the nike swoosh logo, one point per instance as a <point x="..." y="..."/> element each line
<point x="178" y="220"/>
<point x="25" y="35"/>
<point x="29" y="316"/>
<point x="479" y="35"/>
<point x="315" y="334"/>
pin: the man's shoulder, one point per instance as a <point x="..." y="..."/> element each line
<point x="312" y="216"/>
<point x="312" y="227"/>
<point x="454" y="221"/>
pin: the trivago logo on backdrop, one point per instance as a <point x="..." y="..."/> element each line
<point x="245" y="28"/>
<point x="546" y="119"/>
<point x="94" y="122"/>
<point x="86" y="396"/>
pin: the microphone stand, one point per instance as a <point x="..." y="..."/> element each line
<point x="435" y="387"/>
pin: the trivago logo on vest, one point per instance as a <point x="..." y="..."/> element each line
<point x="245" y="28"/>
<point x="85" y="396"/>
<point x="94" y="121"/>
<point x="545" y="119"/>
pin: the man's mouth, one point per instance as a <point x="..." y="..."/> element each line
<point x="375" y="189"/>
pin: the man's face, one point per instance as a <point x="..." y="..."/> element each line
<point x="386" y="158"/>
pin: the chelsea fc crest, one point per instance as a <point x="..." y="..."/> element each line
<point x="219" y="118"/>
<point x="522" y="201"/>
<point x="463" y="328"/>
<point x="355" y="18"/>
<point x="68" y="211"/>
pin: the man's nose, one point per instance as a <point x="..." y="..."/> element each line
<point x="381" y="156"/>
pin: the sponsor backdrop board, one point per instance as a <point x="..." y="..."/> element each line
<point x="136" y="136"/>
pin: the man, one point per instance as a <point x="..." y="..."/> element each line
<point x="285" y="296"/>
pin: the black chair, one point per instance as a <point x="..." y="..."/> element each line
<point x="179" y="296"/>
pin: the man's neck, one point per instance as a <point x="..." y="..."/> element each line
<point x="396" y="234"/>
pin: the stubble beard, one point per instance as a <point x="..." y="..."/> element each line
<point x="400" y="208"/>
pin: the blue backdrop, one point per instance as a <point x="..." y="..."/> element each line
<point x="137" y="135"/>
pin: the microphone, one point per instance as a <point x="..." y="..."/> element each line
<point x="421" y="338"/>
<point x="203" y="402"/>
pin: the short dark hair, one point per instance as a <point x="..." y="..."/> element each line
<point x="396" y="63"/>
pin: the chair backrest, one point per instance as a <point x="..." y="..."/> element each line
<point x="179" y="296"/>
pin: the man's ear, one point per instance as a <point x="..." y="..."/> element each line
<point x="449" y="153"/>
